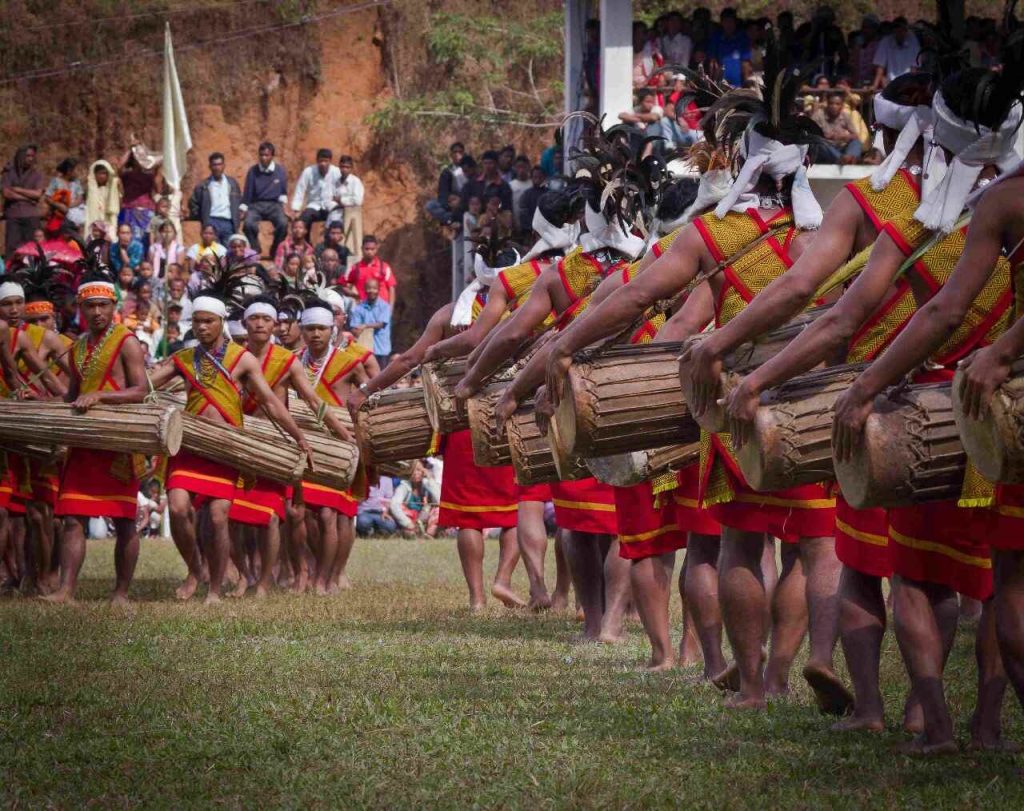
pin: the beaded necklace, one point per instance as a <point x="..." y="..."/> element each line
<point x="86" y="356"/>
<point x="206" y="364"/>
<point x="315" y="367"/>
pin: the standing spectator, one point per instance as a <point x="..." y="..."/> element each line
<point x="22" y="184"/>
<point x="519" y="183"/>
<point x="215" y="201"/>
<point x="64" y="199"/>
<point x="102" y="196"/>
<point x="473" y="185"/>
<point x="350" y="196"/>
<point x="330" y="266"/>
<point x="334" y="239"/>
<point x="141" y="186"/>
<point x="314" y="196"/>
<point x="207" y="246"/>
<point x="168" y="250"/>
<point x="506" y="162"/>
<point x="843" y="143"/>
<point x="373" y="516"/>
<point x="528" y="202"/>
<point x="896" y="53"/>
<point x="646" y="59"/>
<point x="374" y="313"/>
<point x="297" y="243"/>
<point x="162" y="215"/>
<point x="127" y="251"/>
<point x="371" y="266"/>
<point x="863" y="45"/>
<point x="493" y="183"/>
<point x="264" y="198"/>
<point x="729" y="48"/>
<point x="450" y="182"/>
<point x="675" y="46"/>
<point x="177" y="296"/>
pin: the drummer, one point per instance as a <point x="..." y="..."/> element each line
<point x="215" y="372"/>
<point x="108" y="368"/>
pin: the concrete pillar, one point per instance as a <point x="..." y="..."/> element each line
<point x="616" y="94"/>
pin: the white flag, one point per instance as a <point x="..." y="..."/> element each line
<point x="177" y="138"/>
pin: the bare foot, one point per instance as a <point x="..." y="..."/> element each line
<point x="213" y="598"/>
<point x="832" y="697"/>
<point x="119" y="599"/>
<point x="343" y="583"/>
<point x="580" y="616"/>
<point x="262" y="591"/>
<point x="506" y="596"/>
<point x="583" y="638"/>
<point x="187" y="588"/>
<point x="913" y="717"/>
<point x="539" y="602"/>
<point x="609" y="638"/>
<point x="477" y="608"/>
<point x="1001" y="745"/>
<point x="239" y="590"/>
<point x="739" y="702"/>
<point x="919" y="747"/>
<point x="559" y="601"/>
<point x="987" y="739"/>
<point x="300" y="584"/>
<point x="59" y="597"/>
<point x="660" y="667"/>
<point x="728" y="679"/>
<point x="857" y="724"/>
<point x="321" y="590"/>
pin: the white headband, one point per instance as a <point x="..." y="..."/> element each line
<point x="484" y="272"/>
<point x="317" y="317"/>
<point x="974" y="147"/>
<point x="768" y="156"/>
<point x="912" y="123"/>
<point x="209" y="304"/>
<point x="285" y="315"/>
<point x="551" y="237"/>
<point x="333" y="297"/>
<point x="239" y="238"/>
<point x="236" y="329"/>
<point x="260" y="308"/>
<point x="462" y="312"/>
<point x="603" y="234"/>
<point x="11" y="290"/>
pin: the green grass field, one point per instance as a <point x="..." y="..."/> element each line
<point x="392" y="695"/>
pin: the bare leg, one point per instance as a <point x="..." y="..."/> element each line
<point x="744" y="610"/>
<point x="583" y="553"/>
<point x="72" y="557"/>
<point x="823" y="571"/>
<point x="970" y="610"/>
<point x="297" y="549"/>
<point x="921" y="642"/>
<point x="689" y="642"/>
<point x="220" y="546"/>
<point x="328" y="525"/>
<point x="237" y="533"/>
<point x="346" y="540"/>
<point x="862" y="623"/>
<point x="563" y="578"/>
<point x="1009" y="616"/>
<point x="789" y="621"/>
<point x="270" y="547"/>
<point x="40" y="540"/>
<point x="126" y="556"/>
<point x="183" y="532"/>
<point x="471" y="555"/>
<point x="701" y="594"/>
<point x="16" y="553"/>
<point x="532" y="537"/>
<point x="508" y="558"/>
<point x="986" y="722"/>
<point x="617" y="592"/>
<point x="651" y="579"/>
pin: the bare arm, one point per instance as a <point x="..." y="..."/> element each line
<point x="163" y="374"/>
<point x="464" y="342"/>
<point x="695" y="314"/>
<point x="40" y="368"/>
<point x="297" y="380"/>
<point x="57" y="352"/>
<point x="251" y="374"/>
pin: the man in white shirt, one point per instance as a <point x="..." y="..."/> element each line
<point x="896" y="53"/>
<point x="315" y="194"/>
<point x="349" y="196"/>
<point x="519" y="183"/>
<point x="675" y="46"/>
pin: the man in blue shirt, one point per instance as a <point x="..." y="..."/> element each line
<point x="263" y="198"/>
<point x="374" y="313"/>
<point x="730" y="49"/>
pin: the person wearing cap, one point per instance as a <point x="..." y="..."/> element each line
<point x="108" y="368"/>
<point x="216" y="372"/>
<point x="261" y="503"/>
<point x="332" y="373"/>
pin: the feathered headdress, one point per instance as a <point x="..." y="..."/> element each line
<point x="491" y="253"/>
<point x="233" y="284"/>
<point x="47" y="285"/>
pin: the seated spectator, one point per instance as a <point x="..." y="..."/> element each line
<point x="371" y="266"/>
<point x="449" y="183"/>
<point x="473" y="185"/>
<point x="493" y="183"/>
<point x="646" y="112"/>
<point x="166" y="250"/>
<point x="372" y="517"/>
<point x="100" y="231"/>
<point x="853" y="104"/>
<point x="896" y="53"/>
<point x="291" y="271"/>
<point x="264" y="197"/>
<point x="127" y="252"/>
<point x="844" y="146"/>
<point x="646" y="59"/>
<point x="374" y="313"/>
<point x="334" y="239"/>
<point x="414" y="505"/>
<point x="530" y="198"/>
<point x="123" y="287"/>
<point x="313" y="199"/>
<point x="239" y="253"/>
<point x="207" y="246"/>
<point x="64" y="199"/>
<point x="204" y="275"/>
<point x="171" y="342"/>
<point x="674" y="128"/>
<point x="330" y="266"/>
<point x="494" y="216"/>
<point x="177" y="296"/>
<point x="471" y="217"/>
<point x="506" y="162"/>
<point x="161" y="215"/>
<point x="297" y="242"/>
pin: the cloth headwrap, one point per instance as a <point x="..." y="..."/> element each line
<point x="239" y="238"/>
<point x="974" y="147"/>
<point x="285" y="315"/>
<point x="768" y="156"/>
<point x="209" y="304"/>
<point x="39" y="308"/>
<point x="912" y="123"/>
<point x="714" y="185"/>
<point x="317" y="317"/>
<point x="603" y="234"/>
<point x="97" y="290"/>
<point x="260" y="308"/>
<point x="333" y="297"/>
<point x="236" y="329"/>
<point x="11" y="290"/>
<point x="552" y="238"/>
<point x="462" y="312"/>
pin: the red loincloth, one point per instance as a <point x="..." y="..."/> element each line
<point x="474" y="497"/>
<point x="585" y="505"/>
<point x="644" y="530"/>
<point x="89" y="487"/>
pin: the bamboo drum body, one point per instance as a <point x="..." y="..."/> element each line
<point x="490" y="446"/>
<point x="447" y="414"/>
<point x="305" y="417"/>
<point x="995" y="443"/>
<point x="252" y="454"/>
<point x="792" y="440"/>
<point x="392" y="426"/>
<point x="530" y="449"/>
<point x="628" y="469"/>
<point x="911" y="451"/>
<point x="147" y="429"/>
<point x="627" y="399"/>
<point x="335" y="461"/>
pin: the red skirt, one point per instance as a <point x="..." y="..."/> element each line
<point x="1007" y="534"/>
<point x="474" y="497"/>
<point x="534" y="492"/>
<point x="201" y="477"/>
<point x="941" y="543"/>
<point x="6" y="489"/>
<point x="862" y="539"/>
<point x="90" y="488"/>
<point x="585" y="505"/>
<point x="690" y="516"/>
<point x="34" y="481"/>
<point x="317" y="495"/>
<point x="258" y="504"/>
<point x="645" y="530"/>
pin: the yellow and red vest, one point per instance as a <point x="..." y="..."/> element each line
<point x="217" y="390"/>
<point x="275" y="366"/>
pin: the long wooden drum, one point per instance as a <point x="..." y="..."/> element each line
<point x="627" y="399"/>
<point x="251" y="454"/>
<point x="490" y="446"/>
<point x="995" y="443"/>
<point x="447" y="414"/>
<point x="306" y="418"/>
<point x="628" y="469"/>
<point x="911" y="452"/>
<point x="743" y="360"/>
<point x="792" y="441"/>
<point x="530" y="450"/>
<point x="335" y="461"/>
<point x="392" y="426"/>
<point x="147" y="429"/>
